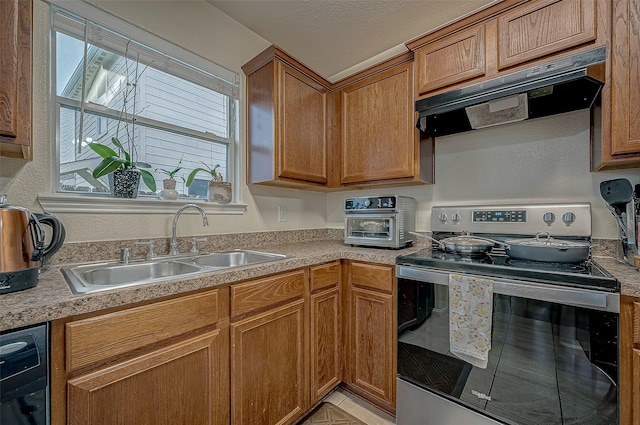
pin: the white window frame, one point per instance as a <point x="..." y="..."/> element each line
<point x="225" y="81"/>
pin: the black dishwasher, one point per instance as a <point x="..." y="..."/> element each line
<point x="24" y="377"/>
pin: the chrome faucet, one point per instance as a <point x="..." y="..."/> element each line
<point x="174" y="240"/>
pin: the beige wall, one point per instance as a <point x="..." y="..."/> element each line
<point x="202" y="29"/>
<point x="542" y="160"/>
<point x="545" y="160"/>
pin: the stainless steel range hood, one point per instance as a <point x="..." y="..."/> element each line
<point x="563" y="85"/>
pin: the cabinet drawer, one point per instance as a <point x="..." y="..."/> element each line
<point x="261" y="293"/>
<point x="372" y="276"/>
<point x="325" y="276"/>
<point x="103" y="337"/>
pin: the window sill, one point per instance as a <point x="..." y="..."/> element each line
<point x="60" y="203"/>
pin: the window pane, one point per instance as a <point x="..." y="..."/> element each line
<point x="162" y="149"/>
<point x="124" y="85"/>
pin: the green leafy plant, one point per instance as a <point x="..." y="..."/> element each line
<point x="171" y="173"/>
<point x="124" y="158"/>
<point x="120" y="160"/>
<point x="213" y="172"/>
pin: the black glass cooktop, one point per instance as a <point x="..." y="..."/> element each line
<point x="588" y="274"/>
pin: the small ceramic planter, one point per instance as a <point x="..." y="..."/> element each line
<point x="219" y="192"/>
<point x="169" y="183"/>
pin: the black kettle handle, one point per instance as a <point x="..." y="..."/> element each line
<point x="57" y="236"/>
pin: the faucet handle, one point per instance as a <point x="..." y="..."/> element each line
<point x="152" y="245"/>
<point x="194" y="244"/>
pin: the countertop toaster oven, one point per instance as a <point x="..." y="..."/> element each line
<point x="379" y="221"/>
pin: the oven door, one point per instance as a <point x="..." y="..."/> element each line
<point x="553" y="358"/>
<point x="371" y="229"/>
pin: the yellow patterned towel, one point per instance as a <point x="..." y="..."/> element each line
<point x="470" y="311"/>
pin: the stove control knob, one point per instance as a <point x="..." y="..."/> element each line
<point x="443" y="216"/>
<point x="455" y="217"/>
<point x="549" y="218"/>
<point x="568" y="218"/>
<point x="367" y="203"/>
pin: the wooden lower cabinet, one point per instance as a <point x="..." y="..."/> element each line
<point x="269" y="351"/>
<point x="325" y="329"/>
<point x="263" y="352"/>
<point x="162" y="363"/>
<point x="178" y="384"/>
<point x="371" y="347"/>
<point x="629" y="367"/>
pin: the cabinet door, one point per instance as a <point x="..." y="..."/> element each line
<point x="178" y="384"/>
<point x="325" y="342"/>
<point x="544" y="27"/>
<point x="15" y="78"/>
<point x="325" y="326"/>
<point x="301" y="126"/>
<point x="379" y="139"/>
<point x="268" y="367"/>
<point x="625" y="69"/>
<point x="453" y="59"/>
<point x="372" y="344"/>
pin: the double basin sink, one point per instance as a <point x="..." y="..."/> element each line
<point x="88" y="278"/>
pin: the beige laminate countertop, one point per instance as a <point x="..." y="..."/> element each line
<point x="52" y="299"/>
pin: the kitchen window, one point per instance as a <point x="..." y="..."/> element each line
<point x="181" y="109"/>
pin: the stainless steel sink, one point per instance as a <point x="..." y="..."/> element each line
<point x="235" y="258"/>
<point x="96" y="277"/>
<point x="102" y="276"/>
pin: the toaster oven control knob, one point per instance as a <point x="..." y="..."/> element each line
<point x="568" y="218"/>
<point x="549" y="218"/>
<point x="455" y="217"/>
<point x="443" y="216"/>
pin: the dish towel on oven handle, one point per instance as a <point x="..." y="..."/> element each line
<point x="470" y="314"/>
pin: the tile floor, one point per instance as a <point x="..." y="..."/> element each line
<point x="360" y="409"/>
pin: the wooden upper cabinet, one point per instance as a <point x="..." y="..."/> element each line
<point x="544" y="27"/>
<point x="302" y="126"/>
<point x="505" y="37"/>
<point x="16" y="18"/>
<point x="617" y="145"/>
<point x="379" y="138"/>
<point x="287" y="122"/>
<point x="451" y="60"/>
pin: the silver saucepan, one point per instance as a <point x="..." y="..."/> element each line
<point x="464" y="244"/>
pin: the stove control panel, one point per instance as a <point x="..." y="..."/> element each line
<point x="555" y="219"/>
<point x="500" y="216"/>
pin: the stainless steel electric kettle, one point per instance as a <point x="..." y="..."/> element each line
<point x="22" y="245"/>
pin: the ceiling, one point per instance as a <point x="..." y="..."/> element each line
<point x="337" y="38"/>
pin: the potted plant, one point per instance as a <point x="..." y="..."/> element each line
<point x="219" y="190"/>
<point x="126" y="172"/>
<point x="123" y="170"/>
<point x="169" y="191"/>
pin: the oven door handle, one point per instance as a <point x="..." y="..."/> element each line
<point x="595" y="300"/>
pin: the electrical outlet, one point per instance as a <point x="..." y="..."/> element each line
<point x="282" y="213"/>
